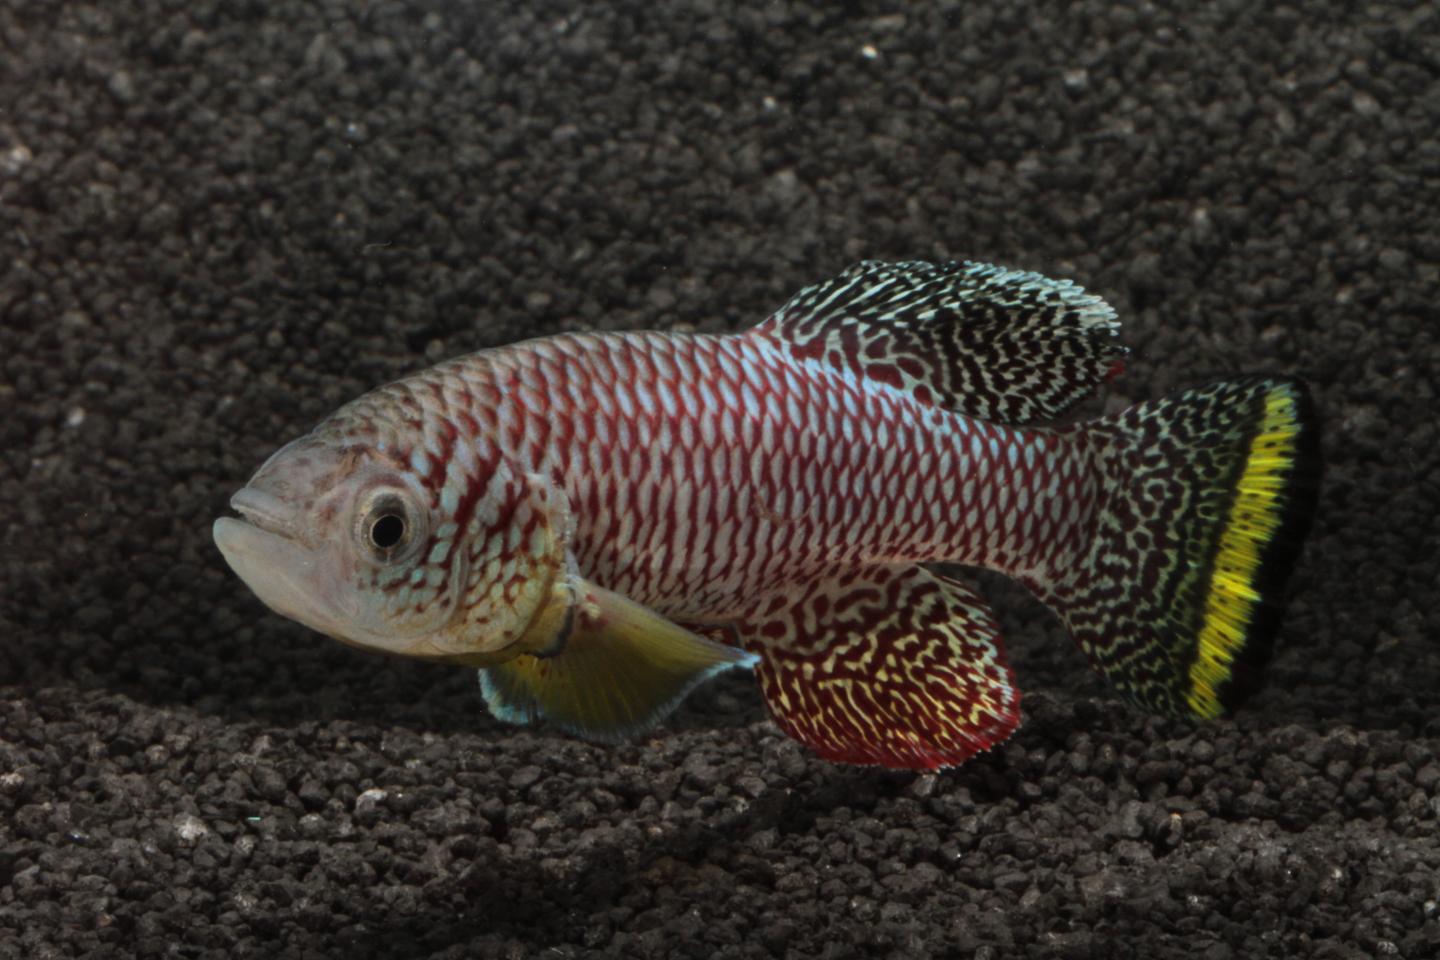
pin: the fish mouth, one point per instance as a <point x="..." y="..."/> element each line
<point x="266" y="511"/>
<point x="262" y="547"/>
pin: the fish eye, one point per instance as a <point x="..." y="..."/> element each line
<point x="387" y="525"/>
<point x="386" y="531"/>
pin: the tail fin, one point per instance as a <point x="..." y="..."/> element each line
<point x="1206" y="498"/>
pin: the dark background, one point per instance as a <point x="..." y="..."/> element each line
<point x="220" y="220"/>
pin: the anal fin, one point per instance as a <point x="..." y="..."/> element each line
<point x="618" y="670"/>
<point x="892" y="666"/>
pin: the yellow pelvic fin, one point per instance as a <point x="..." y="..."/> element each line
<point x="617" y="670"/>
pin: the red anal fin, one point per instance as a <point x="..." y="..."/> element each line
<point x="897" y="667"/>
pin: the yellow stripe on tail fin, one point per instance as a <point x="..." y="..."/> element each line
<point x="1206" y="498"/>
<point x="1243" y="579"/>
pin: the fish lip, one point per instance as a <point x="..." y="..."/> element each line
<point x="280" y="571"/>
<point x="266" y="511"/>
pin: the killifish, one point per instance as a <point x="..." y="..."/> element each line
<point x="599" y="522"/>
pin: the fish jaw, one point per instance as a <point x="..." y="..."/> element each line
<point x="281" y="571"/>
<point x="294" y="569"/>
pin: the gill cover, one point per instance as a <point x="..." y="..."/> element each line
<point x="516" y="597"/>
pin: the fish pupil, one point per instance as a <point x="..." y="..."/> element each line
<point x="387" y="531"/>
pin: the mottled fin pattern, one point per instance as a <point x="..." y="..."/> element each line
<point x="1209" y="495"/>
<point x="896" y="666"/>
<point x="619" y="669"/>
<point x="1001" y="345"/>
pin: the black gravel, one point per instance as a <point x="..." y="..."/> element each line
<point x="220" y="220"/>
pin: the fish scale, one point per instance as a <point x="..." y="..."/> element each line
<point x="832" y="472"/>
<point x="599" y="522"/>
<point x="829" y="474"/>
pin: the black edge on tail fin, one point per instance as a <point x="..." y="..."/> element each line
<point x="1206" y="498"/>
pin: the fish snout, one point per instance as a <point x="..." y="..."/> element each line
<point x="266" y="511"/>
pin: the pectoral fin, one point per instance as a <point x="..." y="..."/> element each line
<point x="620" y="669"/>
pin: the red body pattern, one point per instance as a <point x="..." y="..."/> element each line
<point x="737" y="482"/>
<point x="714" y="478"/>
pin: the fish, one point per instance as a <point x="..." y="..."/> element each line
<point x="598" y="522"/>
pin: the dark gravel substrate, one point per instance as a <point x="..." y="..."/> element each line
<point x="219" y="220"/>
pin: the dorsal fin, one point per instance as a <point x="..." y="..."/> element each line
<point x="997" y="344"/>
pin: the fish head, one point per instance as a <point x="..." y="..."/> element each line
<point x="358" y="544"/>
